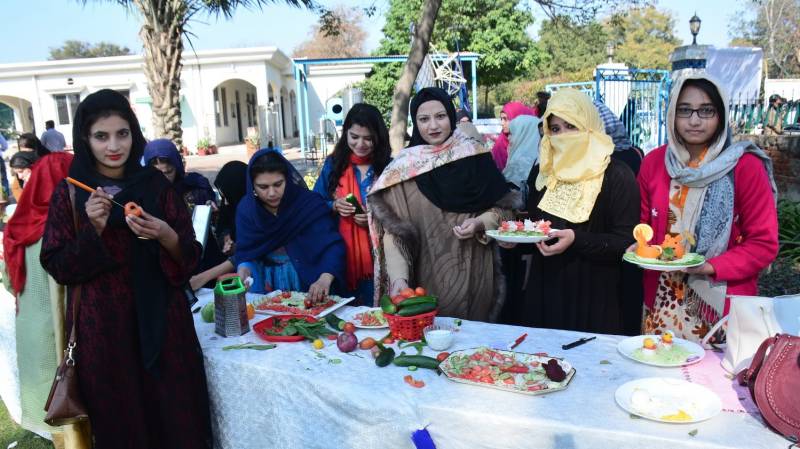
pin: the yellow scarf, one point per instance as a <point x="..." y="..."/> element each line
<point x="571" y="165"/>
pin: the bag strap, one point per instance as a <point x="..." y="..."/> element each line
<point x="758" y="359"/>
<point x="713" y="331"/>
<point x="76" y="292"/>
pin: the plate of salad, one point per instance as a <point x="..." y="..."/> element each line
<point x="291" y="328"/>
<point x="365" y="317"/>
<point x="296" y="303"/>
<point x="526" y="231"/>
<point x="531" y="374"/>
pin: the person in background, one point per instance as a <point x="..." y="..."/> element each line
<point x="139" y="363"/>
<point x="774" y="123"/>
<point x="231" y="183"/>
<point x="6" y="191"/>
<point x="463" y="116"/>
<point x="51" y="138"/>
<point x="21" y="164"/>
<point x="574" y="280"/>
<point x="623" y="150"/>
<point x="718" y="197"/>
<point x="358" y="158"/>
<point x="500" y="149"/>
<point x="523" y="152"/>
<point x="428" y="211"/>
<point x="541" y="103"/>
<point x="286" y="237"/>
<point x="29" y="142"/>
<point x="40" y="331"/>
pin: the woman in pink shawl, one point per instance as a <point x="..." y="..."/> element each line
<point x="500" y="149"/>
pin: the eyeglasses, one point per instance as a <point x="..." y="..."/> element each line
<point x="704" y="112"/>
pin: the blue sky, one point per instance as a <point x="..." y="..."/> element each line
<point x="28" y="39"/>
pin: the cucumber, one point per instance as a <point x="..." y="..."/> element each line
<point x="420" y="361"/>
<point x="334" y="321"/>
<point x="418" y="309"/>
<point x="350" y="198"/>
<point x="417" y="300"/>
<point x="385" y="357"/>
<point x="387" y="306"/>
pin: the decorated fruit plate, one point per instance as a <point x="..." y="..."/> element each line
<point x="683" y="352"/>
<point x="507" y="370"/>
<point x="295" y="303"/>
<point x="274" y="323"/>
<point x="687" y="261"/>
<point x="668" y="400"/>
<point x="518" y="236"/>
<point x="365" y="317"/>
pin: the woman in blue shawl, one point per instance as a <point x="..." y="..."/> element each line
<point x="194" y="188"/>
<point x="286" y="238"/>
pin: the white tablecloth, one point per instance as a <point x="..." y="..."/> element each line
<point x="295" y="397"/>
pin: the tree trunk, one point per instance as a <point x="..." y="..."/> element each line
<point x="162" y="38"/>
<point x="402" y="91"/>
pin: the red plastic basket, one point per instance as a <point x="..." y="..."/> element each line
<point x="409" y="328"/>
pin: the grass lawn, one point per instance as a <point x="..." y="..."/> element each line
<point x="11" y="432"/>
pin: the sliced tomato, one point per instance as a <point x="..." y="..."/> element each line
<point x="286" y="295"/>
<point x="442" y="356"/>
<point x="514" y="369"/>
<point x="509" y="381"/>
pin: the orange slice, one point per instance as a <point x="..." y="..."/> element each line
<point x="649" y="251"/>
<point x="642" y="233"/>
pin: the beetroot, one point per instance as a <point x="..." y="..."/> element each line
<point x="346" y="342"/>
<point x="554" y="371"/>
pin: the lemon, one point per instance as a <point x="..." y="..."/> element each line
<point x="318" y="344"/>
<point x="642" y="231"/>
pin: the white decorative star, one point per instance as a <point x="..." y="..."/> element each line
<point x="654" y="212"/>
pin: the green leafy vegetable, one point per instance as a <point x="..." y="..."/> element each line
<point x="249" y="346"/>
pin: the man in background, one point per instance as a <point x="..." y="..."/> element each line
<point x="51" y="138"/>
<point x="774" y="124"/>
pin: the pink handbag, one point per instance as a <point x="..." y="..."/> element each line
<point x="774" y="382"/>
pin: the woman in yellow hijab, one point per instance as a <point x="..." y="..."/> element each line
<point x="592" y="202"/>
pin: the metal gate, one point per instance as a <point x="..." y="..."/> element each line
<point x="639" y="97"/>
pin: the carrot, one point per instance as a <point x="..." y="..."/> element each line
<point x="77" y="183"/>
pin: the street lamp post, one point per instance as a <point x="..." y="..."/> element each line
<point x="694" y="26"/>
<point x="610" y="52"/>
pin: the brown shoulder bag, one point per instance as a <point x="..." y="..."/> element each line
<point x="64" y="404"/>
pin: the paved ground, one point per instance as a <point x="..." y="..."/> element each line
<point x="208" y="166"/>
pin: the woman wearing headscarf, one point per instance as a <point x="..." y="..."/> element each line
<point x="40" y="300"/>
<point x="429" y="209"/>
<point x="719" y="197"/>
<point x="592" y="203"/>
<point x="21" y="164"/>
<point x="231" y="182"/>
<point x="139" y="364"/>
<point x="500" y="149"/>
<point x="194" y="188"/>
<point x="523" y="152"/>
<point x="286" y="237"/>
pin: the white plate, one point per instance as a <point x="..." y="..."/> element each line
<point x="350" y="315"/>
<point x="627" y="346"/>
<point x="495" y="234"/>
<point x="657" y="397"/>
<point x="687" y="261"/>
<point x="255" y="298"/>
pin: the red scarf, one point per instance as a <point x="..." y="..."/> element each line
<point x="27" y="224"/>
<point x="356" y="238"/>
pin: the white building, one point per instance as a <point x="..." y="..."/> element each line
<point x="223" y="92"/>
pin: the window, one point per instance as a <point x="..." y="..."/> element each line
<point x="224" y="99"/>
<point x="66" y="104"/>
<point x="216" y="108"/>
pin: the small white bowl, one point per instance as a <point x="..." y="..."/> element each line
<point x="439" y="337"/>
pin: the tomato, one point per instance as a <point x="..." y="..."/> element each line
<point x="349" y="327"/>
<point x="397" y="299"/>
<point x="509" y="381"/>
<point x="308" y="304"/>
<point x="442" y="356"/>
<point x="332" y="337"/>
<point x="276" y="300"/>
<point x="407" y="292"/>
<point x="286" y="295"/>
<point x="419" y="291"/>
<point x="367" y="343"/>
<point x="388" y="340"/>
<point x="414" y="383"/>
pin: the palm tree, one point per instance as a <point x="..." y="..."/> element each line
<point x="163" y="28"/>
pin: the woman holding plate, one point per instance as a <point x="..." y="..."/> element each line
<point x="591" y="200"/>
<point x="429" y="209"/>
<point x="719" y="198"/>
<point x="286" y="238"/>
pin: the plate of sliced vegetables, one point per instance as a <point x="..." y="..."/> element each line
<point x="364" y="317"/>
<point x="521" y="231"/>
<point x="297" y="303"/>
<point x="291" y="328"/>
<point x="518" y="372"/>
